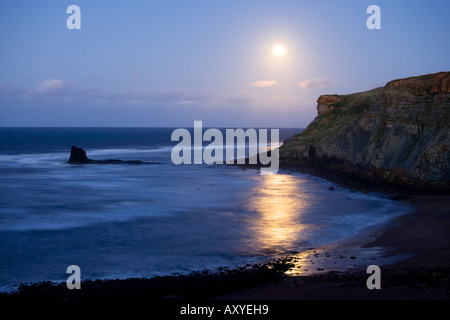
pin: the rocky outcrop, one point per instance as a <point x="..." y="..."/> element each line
<point x="401" y="130"/>
<point x="78" y="156"/>
<point x="326" y="103"/>
<point x="423" y="85"/>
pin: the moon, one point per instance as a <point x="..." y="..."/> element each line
<point x="279" y="50"/>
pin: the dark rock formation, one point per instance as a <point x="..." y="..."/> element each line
<point x="401" y="130"/>
<point x="78" y="156"/>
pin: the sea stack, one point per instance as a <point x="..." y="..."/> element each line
<point x="78" y="156"/>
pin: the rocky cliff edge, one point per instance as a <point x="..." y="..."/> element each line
<point x="401" y="131"/>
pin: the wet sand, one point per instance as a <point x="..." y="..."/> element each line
<point x="421" y="239"/>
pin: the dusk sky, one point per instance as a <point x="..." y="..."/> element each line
<point x="168" y="63"/>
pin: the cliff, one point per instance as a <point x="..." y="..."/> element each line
<point x="401" y="131"/>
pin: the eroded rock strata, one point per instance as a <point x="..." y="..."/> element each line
<point x="400" y="131"/>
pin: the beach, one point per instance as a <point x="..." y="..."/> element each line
<point x="425" y="235"/>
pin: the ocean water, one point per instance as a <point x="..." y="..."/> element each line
<point x="118" y="220"/>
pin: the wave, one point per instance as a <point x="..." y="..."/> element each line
<point x="62" y="157"/>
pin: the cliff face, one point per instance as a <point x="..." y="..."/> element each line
<point x="399" y="129"/>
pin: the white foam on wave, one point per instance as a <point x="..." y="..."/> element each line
<point x="97" y="152"/>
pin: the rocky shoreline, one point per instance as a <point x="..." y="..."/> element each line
<point x="370" y="180"/>
<point x="194" y="286"/>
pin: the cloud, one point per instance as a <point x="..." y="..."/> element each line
<point x="156" y="96"/>
<point x="174" y="95"/>
<point x="62" y="92"/>
<point x="262" y="83"/>
<point x="317" y="83"/>
<point x="51" y="87"/>
<point x="243" y="97"/>
<point x="59" y="92"/>
<point x="287" y="100"/>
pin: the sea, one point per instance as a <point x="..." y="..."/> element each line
<point x="117" y="221"/>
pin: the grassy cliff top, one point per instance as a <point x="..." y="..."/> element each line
<point x="409" y="99"/>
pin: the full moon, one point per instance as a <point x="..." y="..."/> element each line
<point x="279" y="50"/>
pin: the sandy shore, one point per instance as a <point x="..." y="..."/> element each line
<point x="421" y="240"/>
